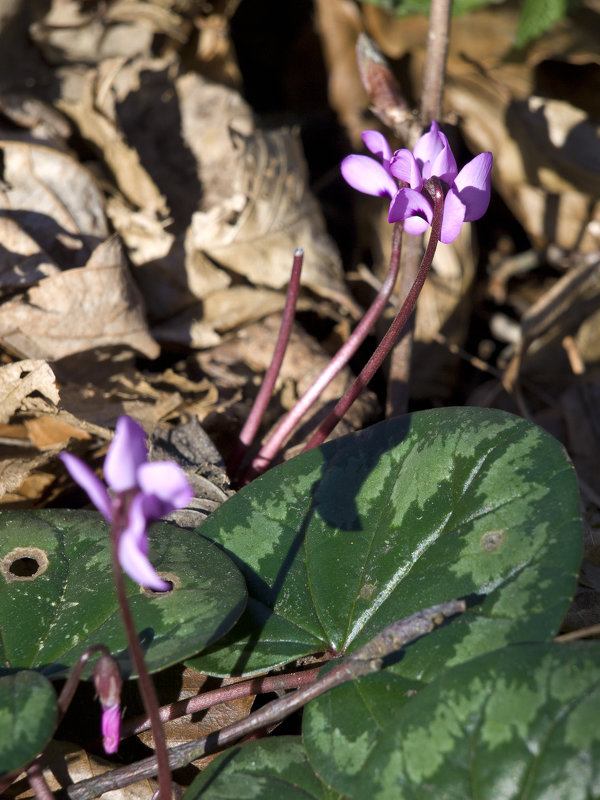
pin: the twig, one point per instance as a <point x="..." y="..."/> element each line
<point x="37" y="781"/>
<point x="235" y="691"/>
<point x="431" y="108"/>
<point x="365" y="660"/>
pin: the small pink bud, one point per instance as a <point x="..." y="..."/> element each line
<point x="108" y="681"/>
<point x="111" y="728"/>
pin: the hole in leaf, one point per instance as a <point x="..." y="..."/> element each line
<point x="24" y="567"/>
<point x="24" y="564"/>
<point x="170" y="578"/>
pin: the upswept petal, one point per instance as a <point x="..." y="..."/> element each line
<point x="473" y="184"/>
<point x="410" y="206"/>
<point x="368" y="176"/>
<point x="454" y="216"/>
<point x="133" y="548"/>
<point x="444" y="164"/>
<point x="404" y="167"/>
<point x="90" y="483"/>
<point x="127" y="452"/>
<point x="428" y="147"/>
<point x="167" y="481"/>
<point x="378" y="145"/>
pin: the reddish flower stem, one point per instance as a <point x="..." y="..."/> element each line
<point x="393" y="331"/>
<point x="37" y="781"/>
<point x="145" y="683"/>
<point x="72" y="681"/>
<point x="341" y="358"/>
<point x="235" y="691"/>
<point x="261" y="402"/>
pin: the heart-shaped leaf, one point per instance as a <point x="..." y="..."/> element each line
<point x="57" y="596"/>
<point x="28" y="714"/>
<point x="517" y="724"/>
<point x="343" y="540"/>
<point x="275" y="768"/>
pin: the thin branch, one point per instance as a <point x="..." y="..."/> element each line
<point x="434" y="76"/>
<point x="225" y="694"/>
<point x="37" y="781"/>
<point x="365" y="660"/>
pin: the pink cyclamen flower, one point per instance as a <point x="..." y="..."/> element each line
<point x="467" y="193"/>
<point x="111" y="728"/>
<point x="147" y="490"/>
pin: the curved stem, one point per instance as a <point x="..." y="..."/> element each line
<point x="235" y="691"/>
<point x="70" y="686"/>
<point x="393" y="331"/>
<point x="341" y="358"/>
<point x="261" y="402"/>
<point x="145" y="683"/>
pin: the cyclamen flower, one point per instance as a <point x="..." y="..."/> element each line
<point x="467" y="193"/>
<point x="146" y="490"/>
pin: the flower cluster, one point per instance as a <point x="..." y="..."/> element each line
<point x="467" y="193"/>
<point x="142" y="492"/>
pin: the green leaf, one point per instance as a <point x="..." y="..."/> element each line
<point x="28" y="715"/>
<point x="57" y="596"/>
<point x="517" y="724"/>
<point x="539" y="16"/>
<point x="345" y="539"/>
<point x="275" y="768"/>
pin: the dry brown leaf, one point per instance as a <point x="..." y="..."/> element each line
<point x="19" y="380"/>
<point x="48" y="432"/>
<point x="57" y="205"/>
<point x="84" y="102"/>
<point x="20" y="478"/>
<point x="213" y="719"/>
<point x="73" y="764"/>
<point x="95" y="305"/>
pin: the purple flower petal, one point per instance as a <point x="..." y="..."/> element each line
<point x="90" y="483"/>
<point x="166" y="481"/>
<point x="378" y="145"/>
<point x="126" y="453"/>
<point x="410" y="206"/>
<point x="444" y="164"/>
<point x="368" y="176"/>
<point x="111" y="729"/>
<point x="428" y="147"/>
<point x="473" y="184"/>
<point x="454" y="216"/>
<point x="133" y="548"/>
<point x="404" y="167"/>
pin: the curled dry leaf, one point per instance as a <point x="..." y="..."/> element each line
<point x="79" y="309"/>
<point x="21" y="379"/>
<point x="72" y="765"/>
<point x="51" y="213"/>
